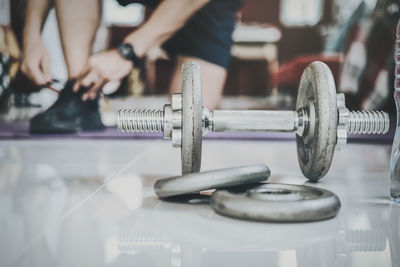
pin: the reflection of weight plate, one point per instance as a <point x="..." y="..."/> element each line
<point x="192" y="131"/>
<point x="277" y="202"/>
<point x="317" y="94"/>
<point x="222" y="178"/>
<point x="201" y="226"/>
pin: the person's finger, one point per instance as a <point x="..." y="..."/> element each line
<point x="77" y="84"/>
<point x="94" y="90"/>
<point x="27" y="70"/>
<point x="88" y="80"/>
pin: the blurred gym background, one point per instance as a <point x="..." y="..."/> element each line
<point x="274" y="41"/>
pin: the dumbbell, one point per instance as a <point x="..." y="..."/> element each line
<point x="321" y="120"/>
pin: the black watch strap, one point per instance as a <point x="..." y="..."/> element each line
<point x="127" y="51"/>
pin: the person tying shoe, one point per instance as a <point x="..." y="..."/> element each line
<point x="197" y="30"/>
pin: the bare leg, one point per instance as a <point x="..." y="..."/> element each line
<point x="212" y="80"/>
<point x="78" y="21"/>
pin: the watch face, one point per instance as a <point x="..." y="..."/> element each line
<point x="125" y="50"/>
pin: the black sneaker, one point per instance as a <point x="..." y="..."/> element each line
<point x="69" y="114"/>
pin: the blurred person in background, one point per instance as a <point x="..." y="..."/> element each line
<point x="197" y="30"/>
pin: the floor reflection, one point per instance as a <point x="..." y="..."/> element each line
<point x="66" y="211"/>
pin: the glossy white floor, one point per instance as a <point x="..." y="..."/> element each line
<point x="91" y="203"/>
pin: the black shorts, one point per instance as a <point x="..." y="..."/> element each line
<point x="207" y="35"/>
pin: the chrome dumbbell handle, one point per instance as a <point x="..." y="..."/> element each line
<point x="259" y="121"/>
<point x="359" y="122"/>
<point x="255" y="121"/>
<point x="355" y="122"/>
<point x="132" y="120"/>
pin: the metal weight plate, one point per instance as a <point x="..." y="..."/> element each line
<point x="222" y="178"/>
<point x="277" y="203"/>
<point x="192" y="131"/>
<point x="317" y="94"/>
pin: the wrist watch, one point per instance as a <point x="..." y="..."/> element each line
<point x="127" y="51"/>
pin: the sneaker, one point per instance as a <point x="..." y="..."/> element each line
<point x="69" y="114"/>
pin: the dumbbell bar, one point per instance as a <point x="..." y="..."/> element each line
<point x="321" y="120"/>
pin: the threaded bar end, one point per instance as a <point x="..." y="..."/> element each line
<point x="368" y="122"/>
<point x="137" y="120"/>
<point x="365" y="240"/>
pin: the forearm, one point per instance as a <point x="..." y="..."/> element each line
<point x="36" y="14"/>
<point x="169" y="17"/>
